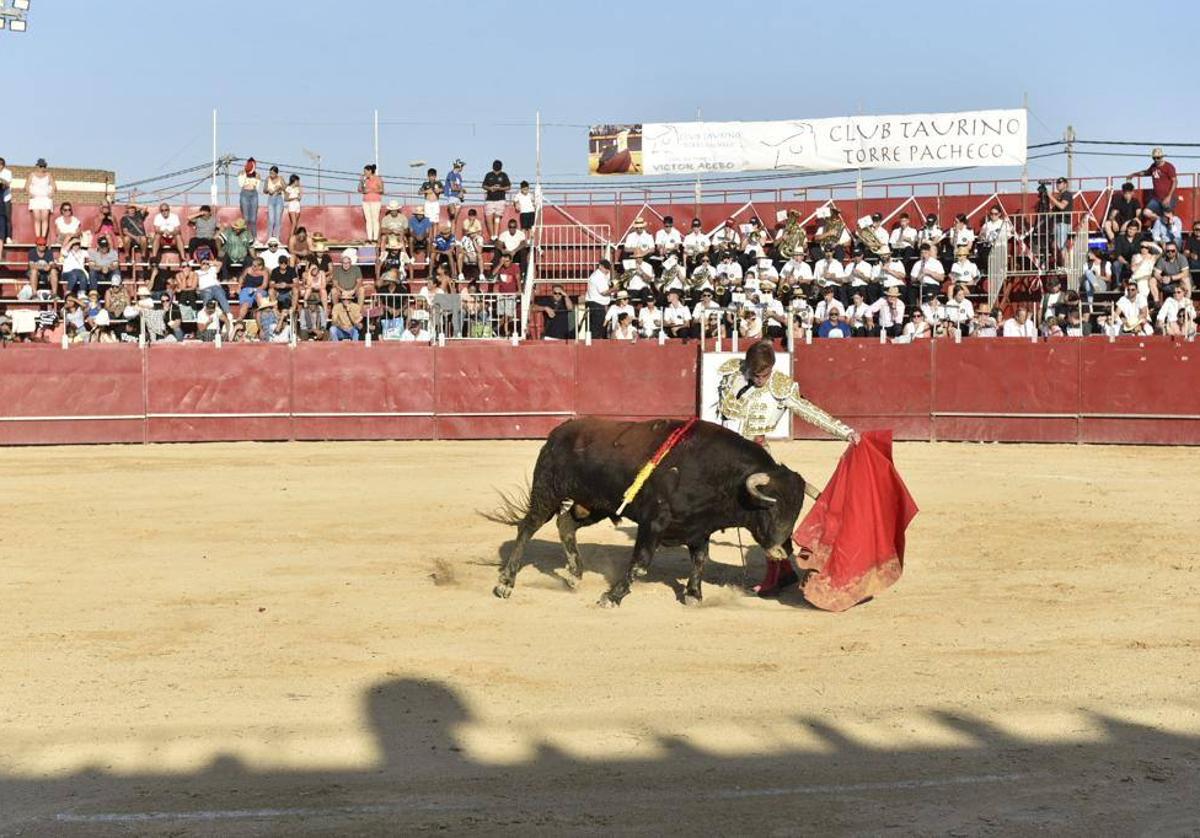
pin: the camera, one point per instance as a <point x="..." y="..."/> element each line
<point x="1043" y="187"/>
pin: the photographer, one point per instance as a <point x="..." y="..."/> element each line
<point x="1062" y="203"/>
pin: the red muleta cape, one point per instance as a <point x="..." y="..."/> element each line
<point x="855" y="531"/>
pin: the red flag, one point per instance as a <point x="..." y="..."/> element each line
<point x="855" y="531"/>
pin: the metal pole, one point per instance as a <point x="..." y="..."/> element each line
<point x="697" y="191"/>
<point x="377" y="138"/>
<point x="212" y="191"/>
<point x="1069" y="137"/>
<point x="320" y="194"/>
<point x="1025" y="166"/>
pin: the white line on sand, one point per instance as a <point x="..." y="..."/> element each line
<point x="389" y="808"/>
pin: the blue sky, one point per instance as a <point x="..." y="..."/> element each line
<point x="130" y="84"/>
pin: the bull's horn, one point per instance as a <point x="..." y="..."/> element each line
<point x="756" y="480"/>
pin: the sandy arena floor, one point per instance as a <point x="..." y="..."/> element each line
<point x="301" y="639"/>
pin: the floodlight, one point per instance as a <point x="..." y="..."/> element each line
<point x="21" y="5"/>
<point x="16" y="25"/>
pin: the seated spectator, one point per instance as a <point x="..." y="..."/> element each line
<point x="1191" y="249"/>
<point x="283" y="284"/>
<point x="417" y="331"/>
<point x="211" y="320"/>
<point x="985" y="324"/>
<point x="133" y="236"/>
<point x="101" y="331"/>
<point x="346" y="321"/>
<point x="348" y="278"/>
<point x="1020" y="325"/>
<point x="102" y="264"/>
<point x="959" y="313"/>
<point x="67" y="225"/>
<point x="829" y="273"/>
<point x="1142" y="270"/>
<point x="638" y="242"/>
<point x="391" y="318"/>
<point x="1177" y="316"/>
<point x="393" y="229"/>
<point x="832" y="236"/>
<point x="927" y="275"/>
<point x="1167" y="229"/>
<point x="557" y="315"/>
<point x="1124" y="208"/>
<point x="514" y="244"/>
<point x="420" y="229"/>
<point x="167" y="233"/>
<point x="472" y="246"/>
<point x="887" y="313"/>
<point x="650" y="319"/>
<point x="1131" y="312"/>
<point x="447" y="251"/>
<point x="858" y="314"/>
<point x="620" y="305"/>
<point x="313" y="285"/>
<point x="828" y="304"/>
<point x="931" y="234"/>
<point x="705" y="315"/>
<point x="696" y="243"/>
<point x="903" y="240"/>
<point x="1171" y="270"/>
<point x="43" y="269"/>
<point x="860" y="274"/>
<point x="797" y="272"/>
<point x="677" y="319"/>
<point x="1097" y="276"/>
<point x="274" y="254"/>
<point x="280" y="332"/>
<point x="74" y="268"/>
<point x="299" y="246"/>
<point x="963" y="271"/>
<point x="918" y="328"/>
<point x="252" y="287"/>
<point x="1128" y="245"/>
<point x="623" y="328"/>
<point x="186" y="288"/>
<point x="833" y="326"/>
<point x="266" y="315"/>
<point x="204" y="233"/>
<point x="234" y="243"/>
<point x="208" y="283"/>
<point x="1054" y="301"/>
<point x="116" y="301"/>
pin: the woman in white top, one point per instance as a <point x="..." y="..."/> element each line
<point x="67" y="223"/>
<point x="624" y="330"/>
<point x="1142" y="270"/>
<point x="40" y="185"/>
<point x="292" y="193"/>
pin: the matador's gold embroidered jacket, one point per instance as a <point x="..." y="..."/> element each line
<point x="755" y="411"/>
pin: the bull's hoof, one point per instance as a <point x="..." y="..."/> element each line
<point x="691" y="600"/>
<point x="640" y="571"/>
<point x="607" y="601"/>
<point x="571" y="582"/>
<point x="502" y="591"/>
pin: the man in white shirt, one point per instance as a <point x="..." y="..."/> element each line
<point x="273" y="254"/>
<point x="208" y="284"/>
<point x="890" y="272"/>
<point x="903" y="240"/>
<point x="860" y="273"/>
<point x="1132" y="312"/>
<point x="888" y="312"/>
<point x="726" y="238"/>
<point x="515" y="243"/>
<point x="677" y="319"/>
<point x="167" y="231"/>
<point x="706" y="314"/>
<point x="417" y="331"/>
<point x="650" y="319"/>
<point x="828" y="304"/>
<point x="796" y="271"/>
<point x="829" y="272"/>
<point x="668" y="241"/>
<point x="770" y="309"/>
<point x="927" y="274"/>
<point x="597" y="297"/>
<point x="858" y="314"/>
<point x="638" y="242"/>
<point x="1020" y="326"/>
<point x="931" y="233"/>
<point x="985" y="322"/>
<point x="1178" y="314"/>
<point x="696" y="244"/>
<point x="964" y="271"/>
<point x="621" y="306"/>
<point x="958" y="311"/>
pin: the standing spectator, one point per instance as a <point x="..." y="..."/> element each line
<point x="6" y="223"/>
<point x="370" y="185"/>
<point x="1020" y="325"/>
<point x="74" y="268"/>
<point x="1171" y="271"/>
<point x="526" y="206"/>
<point x="1124" y="208"/>
<point x="495" y="195"/>
<point x="597" y="297"/>
<point x="1168" y="229"/>
<point x="67" y="225"/>
<point x="995" y="229"/>
<point x="433" y="206"/>
<point x="235" y="242"/>
<point x="1164" y="182"/>
<point x="133" y="236"/>
<point x="431" y="184"/>
<point x="168" y="232"/>
<point x="348" y="278"/>
<point x="299" y="245"/>
<point x="204" y="231"/>
<point x="41" y="186"/>
<point x="293" y="194"/>
<point x="557" y="315"/>
<point x="248" y="183"/>
<point x="508" y="284"/>
<point x="454" y="192"/>
<point x="102" y="264"/>
<point x="887" y="312"/>
<point x="208" y="283"/>
<point x="273" y="188"/>
<point x="43" y="269"/>
<point x="1062" y="204"/>
<point x="347" y="320"/>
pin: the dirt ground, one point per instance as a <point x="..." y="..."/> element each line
<point x="283" y="639"/>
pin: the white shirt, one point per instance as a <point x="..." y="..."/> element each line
<point x="903" y="237"/>
<point x="916" y="331"/>
<point x="932" y="234"/>
<point x="206" y="322"/>
<point x="797" y="270"/>
<point x="511" y="241"/>
<point x="843" y="239"/>
<point x="890" y="274"/>
<point x="888" y="311"/>
<point x="1013" y="329"/>
<point x="167" y="224"/>
<point x="958" y="312"/>
<point x="726" y="236"/>
<point x="964" y="272"/>
<point x="1171" y="308"/>
<point x="696" y="243"/>
<point x="704" y="313"/>
<point x="857" y="315"/>
<point x="677" y="314"/>
<point x="6" y="177"/>
<point x="75" y="260"/>
<point x="962" y="238"/>
<point x="1130" y="310"/>
<point x="928" y="271"/>
<point x="523" y="201"/>
<point x="66" y="229"/>
<point x="598" y="286"/>
<point x="615" y="311"/>
<point x="668" y="240"/>
<point x="271" y="257"/>
<point x="825" y="307"/>
<point x="421" y="336"/>
<point x="207" y="278"/>
<point x="731" y="269"/>
<point x="860" y="272"/>
<point x="650" y="321"/>
<point x="829" y="272"/>
<point x="995" y="230"/>
<point x="639" y="242"/>
<point x="986" y="327"/>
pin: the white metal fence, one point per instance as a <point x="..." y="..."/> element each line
<point x="439" y="317"/>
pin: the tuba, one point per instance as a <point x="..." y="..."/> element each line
<point x="871" y="241"/>
<point x="793" y="240"/>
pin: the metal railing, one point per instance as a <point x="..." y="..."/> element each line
<point x="447" y="316"/>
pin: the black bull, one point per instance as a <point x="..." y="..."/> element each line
<point x="711" y="480"/>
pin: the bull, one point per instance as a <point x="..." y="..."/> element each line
<point x="711" y="480"/>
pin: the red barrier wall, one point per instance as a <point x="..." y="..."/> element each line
<point x="1094" y="390"/>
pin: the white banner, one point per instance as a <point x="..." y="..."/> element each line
<point x="905" y="141"/>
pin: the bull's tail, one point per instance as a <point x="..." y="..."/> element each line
<point x="513" y="507"/>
